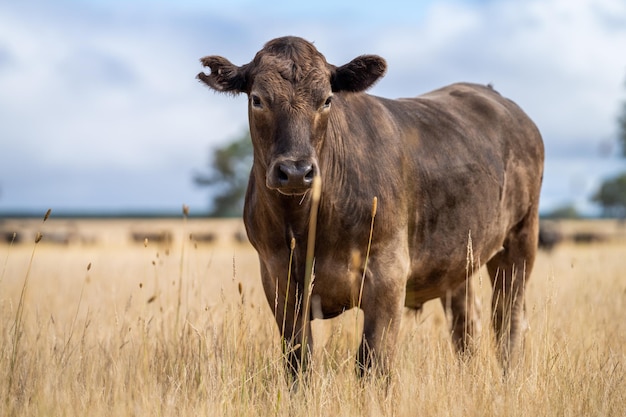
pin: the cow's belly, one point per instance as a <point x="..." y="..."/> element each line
<point x="426" y="285"/>
<point x="432" y="276"/>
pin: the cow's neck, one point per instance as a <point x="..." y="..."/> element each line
<point x="296" y="213"/>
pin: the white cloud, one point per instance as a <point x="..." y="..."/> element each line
<point x="558" y="59"/>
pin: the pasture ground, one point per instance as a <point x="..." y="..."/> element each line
<point x="95" y="323"/>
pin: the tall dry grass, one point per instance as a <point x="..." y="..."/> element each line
<point x="123" y="329"/>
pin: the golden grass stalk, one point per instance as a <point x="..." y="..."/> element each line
<point x="292" y="247"/>
<point x="367" y="256"/>
<point x="308" y="272"/>
<point x="19" y="314"/>
<point x="469" y="297"/>
<point x="181" y="268"/>
<point x="64" y="354"/>
<point x="369" y="247"/>
<point x="6" y="259"/>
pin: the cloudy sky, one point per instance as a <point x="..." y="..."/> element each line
<point x="100" y="110"/>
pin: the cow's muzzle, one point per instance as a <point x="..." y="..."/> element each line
<point x="292" y="177"/>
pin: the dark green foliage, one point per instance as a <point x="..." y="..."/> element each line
<point x="612" y="196"/>
<point x="612" y="193"/>
<point x="621" y="125"/>
<point x="227" y="177"/>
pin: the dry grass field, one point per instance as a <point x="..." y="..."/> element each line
<point x="94" y="323"/>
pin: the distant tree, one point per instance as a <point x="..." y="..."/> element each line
<point x="621" y="128"/>
<point x="612" y="196"/>
<point x="227" y="176"/>
<point x="612" y="193"/>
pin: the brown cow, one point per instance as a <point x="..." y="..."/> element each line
<point x="458" y="166"/>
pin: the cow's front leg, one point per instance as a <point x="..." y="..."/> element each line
<point x="382" y="304"/>
<point x="285" y="298"/>
<point x="377" y="348"/>
<point x="296" y="351"/>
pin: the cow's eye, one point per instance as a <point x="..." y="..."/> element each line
<point x="327" y="102"/>
<point x="256" y="101"/>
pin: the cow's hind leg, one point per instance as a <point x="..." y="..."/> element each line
<point x="509" y="270"/>
<point x="463" y="308"/>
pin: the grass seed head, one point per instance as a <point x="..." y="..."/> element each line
<point x="374" y="206"/>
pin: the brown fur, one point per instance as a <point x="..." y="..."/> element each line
<point x="458" y="164"/>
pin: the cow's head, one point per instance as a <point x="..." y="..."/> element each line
<point x="290" y="88"/>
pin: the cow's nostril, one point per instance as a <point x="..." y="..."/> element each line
<point x="283" y="174"/>
<point x="310" y="174"/>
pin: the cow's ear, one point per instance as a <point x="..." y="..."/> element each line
<point x="224" y="76"/>
<point x="359" y="74"/>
